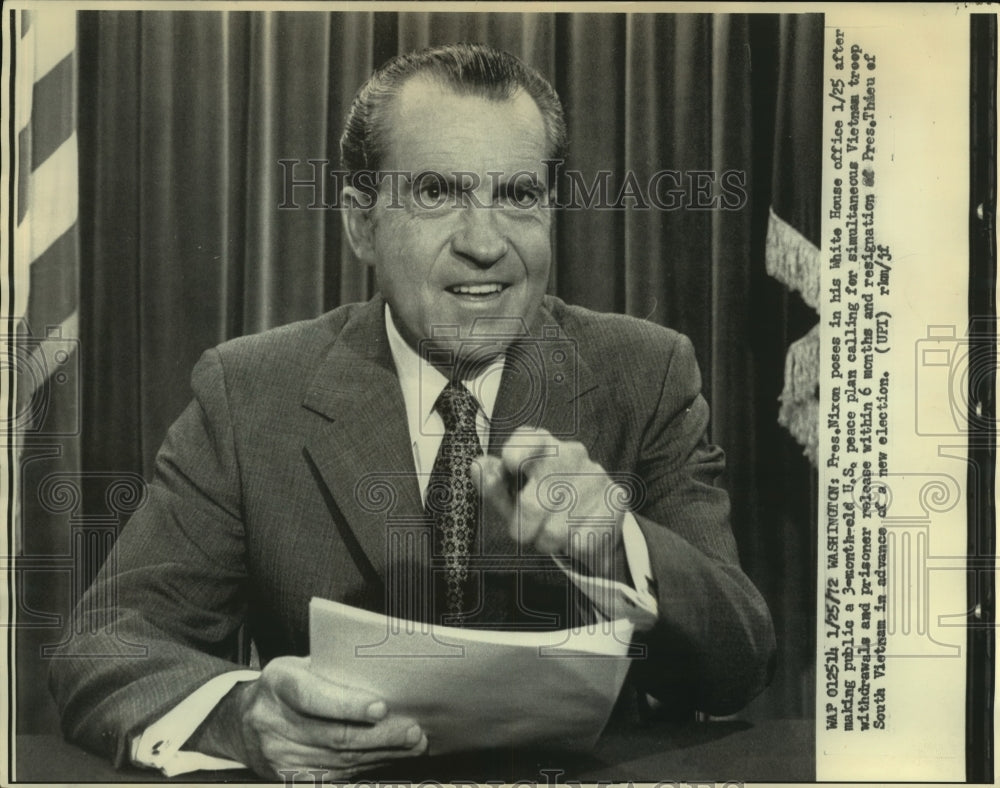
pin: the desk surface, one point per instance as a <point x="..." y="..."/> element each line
<point x="767" y="751"/>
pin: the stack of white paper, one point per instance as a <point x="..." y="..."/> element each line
<point x="477" y="689"/>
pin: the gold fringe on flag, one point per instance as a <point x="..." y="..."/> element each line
<point x="799" y="412"/>
<point x="794" y="261"/>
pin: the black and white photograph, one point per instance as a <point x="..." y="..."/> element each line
<point x="498" y="393"/>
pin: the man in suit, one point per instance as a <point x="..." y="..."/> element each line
<point x="263" y="495"/>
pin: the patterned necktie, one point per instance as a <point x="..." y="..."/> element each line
<point x="452" y="499"/>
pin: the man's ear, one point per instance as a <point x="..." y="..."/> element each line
<point x="359" y="223"/>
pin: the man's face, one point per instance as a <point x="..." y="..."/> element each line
<point x="469" y="241"/>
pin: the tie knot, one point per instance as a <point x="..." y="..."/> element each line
<point x="458" y="408"/>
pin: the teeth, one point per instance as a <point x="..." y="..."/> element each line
<point x="494" y="287"/>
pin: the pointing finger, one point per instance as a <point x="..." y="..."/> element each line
<point x="493" y="484"/>
<point x="525" y="445"/>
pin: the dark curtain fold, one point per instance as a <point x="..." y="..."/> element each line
<point x="185" y="116"/>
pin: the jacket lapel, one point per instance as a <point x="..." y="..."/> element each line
<point x="547" y="384"/>
<point x="361" y="447"/>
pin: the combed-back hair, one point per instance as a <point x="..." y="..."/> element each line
<point x="468" y="69"/>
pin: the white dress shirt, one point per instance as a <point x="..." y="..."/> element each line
<point x="160" y="744"/>
<point x="422" y="384"/>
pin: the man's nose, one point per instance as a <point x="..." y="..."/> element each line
<point x="478" y="239"/>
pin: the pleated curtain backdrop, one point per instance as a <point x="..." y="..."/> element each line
<point x="184" y="117"/>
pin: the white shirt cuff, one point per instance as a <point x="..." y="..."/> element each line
<point x="159" y="746"/>
<point x="614" y="599"/>
<point x="637" y="559"/>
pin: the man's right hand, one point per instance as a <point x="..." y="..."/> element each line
<point x="292" y="719"/>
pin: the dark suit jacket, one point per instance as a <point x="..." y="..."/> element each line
<point x="259" y="503"/>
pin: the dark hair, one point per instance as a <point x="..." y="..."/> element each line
<point x="471" y="69"/>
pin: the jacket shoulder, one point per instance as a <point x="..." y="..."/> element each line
<point x="274" y="364"/>
<point x="611" y="340"/>
<point x="303" y="337"/>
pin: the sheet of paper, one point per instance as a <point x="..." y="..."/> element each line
<point x="477" y="689"/>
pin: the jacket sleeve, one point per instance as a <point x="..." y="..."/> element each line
<point x="713" y="648"/>
<point x="163" y="615"/>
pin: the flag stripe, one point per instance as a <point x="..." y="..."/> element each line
<point x="54" y="201"/>
<point x="25" y="94"/>
<point x="53" y="291"/>
<point x="44" y="359"/>
<point x="26" y="79"/>
<point x="23" y="171"/>
<point x="55" y="29"/>
<point x="52" y="120"/>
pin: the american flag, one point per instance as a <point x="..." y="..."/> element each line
<point x="40" y="348"/>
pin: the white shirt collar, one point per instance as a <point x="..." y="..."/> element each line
<point x="422" y="383"/>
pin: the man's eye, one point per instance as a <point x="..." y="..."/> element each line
<point x="430" y="192"/>
<point x="523" y="195"/>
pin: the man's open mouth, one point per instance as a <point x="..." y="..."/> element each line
<point x="482" y="290"/>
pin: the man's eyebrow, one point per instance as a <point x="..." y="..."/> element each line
<point x="433" y="176"/>
<point x="524" y="179"/>
<point x="468" y="181"/>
